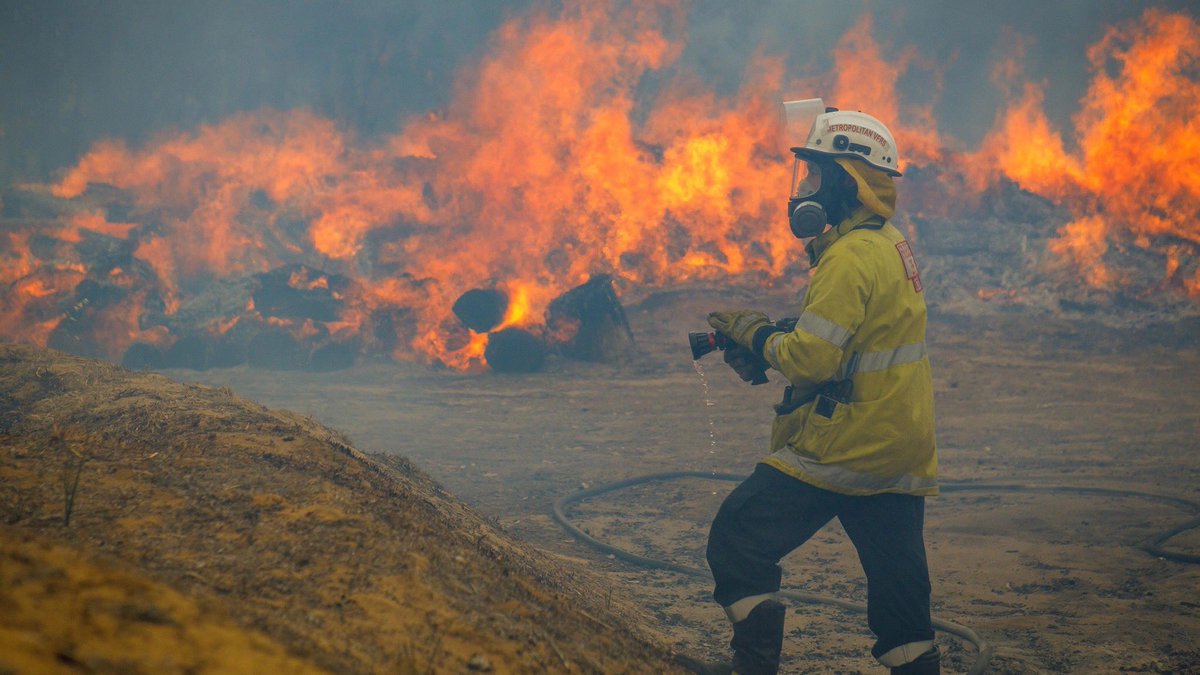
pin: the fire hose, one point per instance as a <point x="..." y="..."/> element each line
<point x="1154" y="545"/>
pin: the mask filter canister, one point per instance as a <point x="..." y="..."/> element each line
<point x="808" y="219"/>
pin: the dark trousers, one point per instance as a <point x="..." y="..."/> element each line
<point x="770" y="514"/>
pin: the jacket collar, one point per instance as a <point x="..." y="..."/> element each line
<point x="862" y="217"/>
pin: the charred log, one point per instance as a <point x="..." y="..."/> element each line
<point x="300" y="292"/>
<point x="588" y="322"/>
<point x="513" y="350"/>
<point x="481" y="309"/>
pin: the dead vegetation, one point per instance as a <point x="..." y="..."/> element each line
<point x="259" y="540"/>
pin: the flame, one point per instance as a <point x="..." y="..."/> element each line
<point x="537" y="174"/>
<point x="551" y="163"/>
<point x="866" y="79"/>
<point x="300" y="279"/>
<point x="1086" y="241"/>
<point x="1133" y="177"/>
<point x="518" y="313"/>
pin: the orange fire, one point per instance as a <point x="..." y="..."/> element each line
<point x="548" y="165"/>
<point x="1132" y="179"/>
<point x="535" y="177"/>
<point x="867" y="80"/>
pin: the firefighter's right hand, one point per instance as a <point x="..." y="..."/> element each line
<point x="739" y="325"/>
<point x="743" y="362"/>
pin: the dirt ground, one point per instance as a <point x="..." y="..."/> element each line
<point x="1055" y="582"/>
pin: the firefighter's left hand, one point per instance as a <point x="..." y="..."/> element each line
<point x="744" y="363"/>
<point x="738" y="326"/>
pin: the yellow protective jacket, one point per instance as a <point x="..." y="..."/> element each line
<point x="864" y="305"/>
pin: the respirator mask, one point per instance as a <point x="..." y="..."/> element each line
<point x="811" y="192"/>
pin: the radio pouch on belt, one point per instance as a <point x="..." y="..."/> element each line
<point x="828" y="395"/>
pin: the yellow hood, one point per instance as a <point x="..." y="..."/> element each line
<point x="876" y="189"/>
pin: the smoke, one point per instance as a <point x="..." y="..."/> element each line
<point x="957" y="45"/>
<point x="76" y="71"/>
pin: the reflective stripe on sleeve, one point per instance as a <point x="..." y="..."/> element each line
<point x="858" y="482"/>
<point x="823" y="328"/>
<point x="872" y="361"/>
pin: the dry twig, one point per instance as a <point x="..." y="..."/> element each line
<point x="72" y="467"/>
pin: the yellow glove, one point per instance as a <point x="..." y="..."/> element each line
<point x="739" y="326"/>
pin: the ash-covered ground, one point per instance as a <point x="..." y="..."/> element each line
<point x="1056" y="582"/>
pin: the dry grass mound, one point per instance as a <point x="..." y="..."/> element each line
<point x="149" y="525"/>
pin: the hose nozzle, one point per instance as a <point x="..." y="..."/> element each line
<point x="703" y="343"/>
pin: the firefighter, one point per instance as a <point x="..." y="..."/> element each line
<point x="853" y="437"/>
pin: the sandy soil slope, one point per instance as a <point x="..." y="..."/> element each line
<point x="1055" y="581"/>
<point x="66" y="611"/>
<point x="151" y="526"/>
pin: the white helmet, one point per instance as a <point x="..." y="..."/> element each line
<point x="841" y="133"/>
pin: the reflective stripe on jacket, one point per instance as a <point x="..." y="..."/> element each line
<point x="864" y="306"/>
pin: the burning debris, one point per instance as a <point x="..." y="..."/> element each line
<point x="295" y="316"/>
<point x="1131" y="182"/>
<point x="279" y="240"/>
<point x="481" y="309"/>
<point x="586" y="323"/>
<point x="589" y="322"/>
<point x="514" y="350"/>
<point x="300" y="292"/>
<point x="277" y="320"/>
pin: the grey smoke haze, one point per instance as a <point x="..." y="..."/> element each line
<point x="75" y="71"/>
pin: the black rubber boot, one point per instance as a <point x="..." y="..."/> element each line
<point x="758" y="639"/>
<point x="928" y="663"/>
